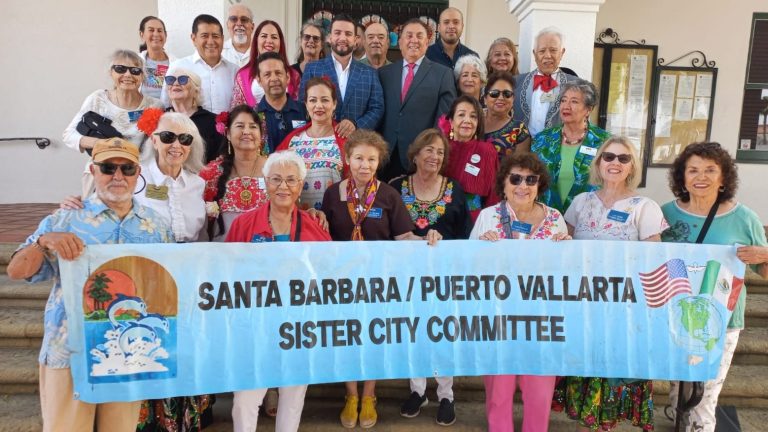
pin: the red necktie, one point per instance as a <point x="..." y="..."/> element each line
<point x="408" y="81"/>
<point x="545" y="82"/>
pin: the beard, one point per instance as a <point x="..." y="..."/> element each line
<point x="240" y="38"/>
<point x="342" y="51"/>
<point x="107" y="195"/>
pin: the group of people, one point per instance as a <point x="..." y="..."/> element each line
<point x="236" y="144"/>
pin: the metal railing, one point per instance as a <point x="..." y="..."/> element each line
<point x="41" y="142"/>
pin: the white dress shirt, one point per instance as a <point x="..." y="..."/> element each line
<point x="216" y="82"/>
<point x="342" y="75"/>
<point x="183" y="208"/>
<point x="234" y="56"/>
<point x="539" y="108"/>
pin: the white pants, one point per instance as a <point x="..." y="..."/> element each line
<point x="444" y="387"/>
<point x="245" y="409"/>
<point x="702" y="417"/>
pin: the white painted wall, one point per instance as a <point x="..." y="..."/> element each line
<point x="49" y="71"/>
<point x="723" y="34"/>
<point x="54" y="54"/>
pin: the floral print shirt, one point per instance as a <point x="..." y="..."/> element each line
<point x="546" y="145"/>
<point x="94" y="224"/>
<point x="242" y="193"/>
<point x="490" y="220"/>
<point x="633" y="218"/>
<point x="508" y="137"/>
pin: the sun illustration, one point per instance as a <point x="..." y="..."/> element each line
<point x="129" y="277"/>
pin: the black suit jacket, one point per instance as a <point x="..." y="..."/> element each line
<point x="431" y="94"/>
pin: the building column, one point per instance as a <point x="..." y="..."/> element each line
<point x="576" y="19"/>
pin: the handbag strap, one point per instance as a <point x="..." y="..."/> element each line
<point x="506" y="220"/>
<point x="708" y="221"/>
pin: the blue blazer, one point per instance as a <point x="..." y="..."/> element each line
<point x="363" y="102"/>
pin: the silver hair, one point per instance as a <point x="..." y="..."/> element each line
<point x="194" y="81"/>
<point x="586" y="88"/>
<point x="549" y="31"/>
<point x="194" y="162"/>
<point x="127" y="55"/>
<point x="471" y="60"/>
<point x="250" y="12"/>
<point x="283" y="158"/>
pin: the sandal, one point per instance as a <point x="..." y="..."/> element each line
<point x="270" y="403"/>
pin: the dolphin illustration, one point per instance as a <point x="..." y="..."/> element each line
<point x="124" y="302"/>
<point x="134" y="332"/>
<point x="155" y="321"/>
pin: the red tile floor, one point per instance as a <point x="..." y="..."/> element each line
<point x="17" y="221"/>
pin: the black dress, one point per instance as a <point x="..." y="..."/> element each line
<point x="448" y="213"/>
<point x="206" y="125"/>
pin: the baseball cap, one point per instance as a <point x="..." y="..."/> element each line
<point x="115" y="148"/>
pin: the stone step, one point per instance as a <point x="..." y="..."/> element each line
<point x="6" y="250"/>
<point x="21" y="327"/>
<point x="19" y="293"/>
<point x="18" y="370"/>
<point x="21" y="413"/>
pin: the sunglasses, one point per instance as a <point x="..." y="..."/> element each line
<point x="182" y="79"/>
<point x="168" y="137"/>
<point x="242" y="19"/>
<point x="289" y="181"/>
<point x="107" y="168"/>
<point x="623" y="158"/>
<point x="308" y="38"/>
<point x="530" y="180"/>
<point x="120" y="69"/>
<point x="506" y="93"/>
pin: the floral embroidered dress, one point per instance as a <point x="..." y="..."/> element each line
<point x="448" y="213"/>
<point x="505" y="140"/>
<point x="591" y="400"/>
<point x="490" y="220"/>
<point x="325" y="163"/>
<point x="242" y="194"/>
<point x="547" y="144"/>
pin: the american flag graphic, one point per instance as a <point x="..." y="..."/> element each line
<point x="667" y="281"/>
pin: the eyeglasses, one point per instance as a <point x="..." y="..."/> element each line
<point x="530" y="180"/>
<point x="107" y="168"/>
<point x="308" y="38"/>
<point x="276" y="181"/>
<point x="168" y="137"/>
<point x="181" y="79"/>
<point x="506" y="93"/>
<point x="242" y="19"/>
<point x="120" y="69"/>
<point x="623" y="158"/>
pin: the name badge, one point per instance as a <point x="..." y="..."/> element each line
<point x="409" y="199"/>
<point x="298" y="123"/>
<point x="157" y="192"/>
<point x="133" y="116"/>
<point x="618" y="216"/>
<point x="522" y="227"/>
<point x="472" y="169"/>
<point x="258" y="238"/>
<point x="591" y="151"/>
<point x="262" y="183"/>
<point x="549" y="97"/>
<point x="375" y="213"/>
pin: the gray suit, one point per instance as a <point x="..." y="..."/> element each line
<point x="430" y="95"/>
<point x="524" y="95"/>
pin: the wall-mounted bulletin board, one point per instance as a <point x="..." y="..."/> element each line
<point x="684" y="103"/>
<point x="624" y="75"/>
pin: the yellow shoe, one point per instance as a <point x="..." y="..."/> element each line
<point x="368" y="414"/>
<point x="349" y="413"/>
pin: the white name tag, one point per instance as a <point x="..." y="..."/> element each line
<point x="472" y="169"/>
<point x="298" y="123"/>
<point x="588" y="150"/>
<point x="262" y="183"/>
<point x="549" y="97"/>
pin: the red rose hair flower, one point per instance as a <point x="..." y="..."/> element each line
<point x="221" y="122"/>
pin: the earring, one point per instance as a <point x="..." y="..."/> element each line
<point x="450" y="135"/>
<point x="721" y="189"/>
<point x="229" y="147"/>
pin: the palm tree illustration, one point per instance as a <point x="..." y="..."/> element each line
<point x="98" y="291"/>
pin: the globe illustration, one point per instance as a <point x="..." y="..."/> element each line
<point x="697" y="325"/>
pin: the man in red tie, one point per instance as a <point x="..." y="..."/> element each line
<point x="417" y="91"/>
<point x="537" y="93"/>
